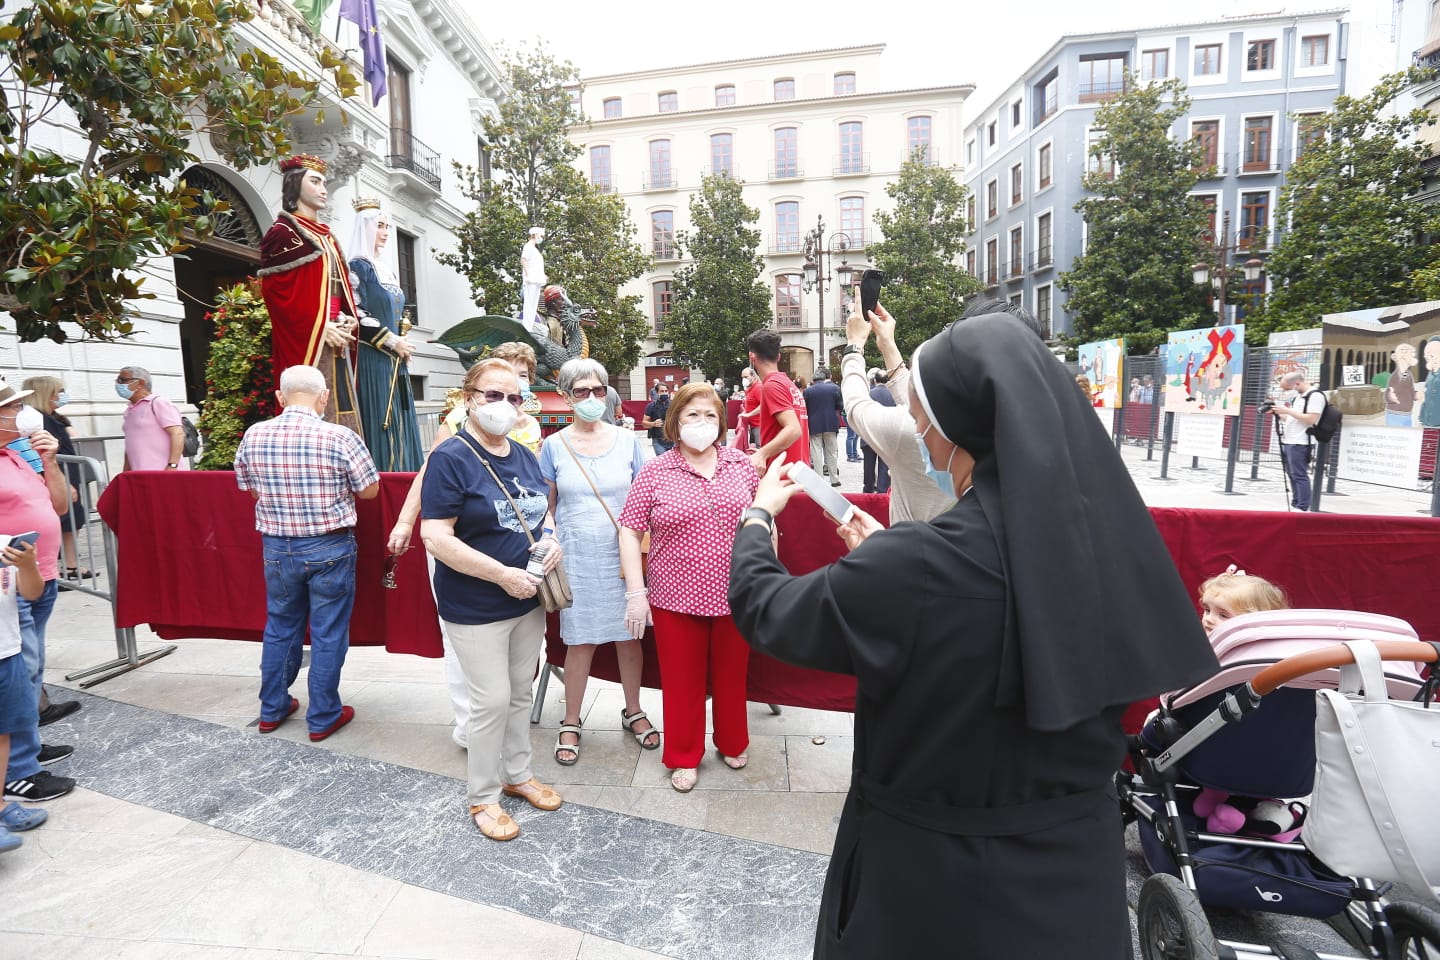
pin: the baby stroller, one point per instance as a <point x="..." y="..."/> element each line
<point x="1249" y="731"/>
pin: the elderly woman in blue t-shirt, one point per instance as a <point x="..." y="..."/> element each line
<point x="481" y="493"/>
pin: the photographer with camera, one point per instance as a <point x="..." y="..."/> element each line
<point x="1293" y="420"/>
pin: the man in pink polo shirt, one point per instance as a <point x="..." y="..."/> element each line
<point x="154" y="439"/>
<point x="33" y="495"/>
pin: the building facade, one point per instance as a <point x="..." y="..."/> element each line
<point x="399" y="150"/>
<point x="1252" y="82"/>
<point x="811" y="135"/>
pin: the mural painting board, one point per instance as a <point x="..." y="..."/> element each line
<point x="1102" y="363"/>
<point x="1204" y="370"/>
<point x="1396" y="351"/>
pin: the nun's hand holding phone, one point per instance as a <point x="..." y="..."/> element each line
<point x="855" y="530"/>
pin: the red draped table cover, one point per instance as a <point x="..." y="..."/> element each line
<point x="190" y="566"/>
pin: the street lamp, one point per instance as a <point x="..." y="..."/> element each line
<point x="817" y="272"/>
<point x="1224" y="270"/>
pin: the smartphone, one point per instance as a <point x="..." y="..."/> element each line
<point x="829" y="499"/>
<point x="870" y="283"/>
<point x="21" y="539"/>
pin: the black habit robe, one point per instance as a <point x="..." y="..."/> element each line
<point x="966" y="833"/>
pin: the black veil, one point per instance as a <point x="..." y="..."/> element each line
<point x="1096" y="613"/>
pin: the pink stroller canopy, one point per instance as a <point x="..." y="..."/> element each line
<point x="1247" y="644"/>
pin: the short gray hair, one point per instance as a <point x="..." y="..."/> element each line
<point x="140" y="373"/>
<point x="581" y="368"/>
<point x="302" y="378"/>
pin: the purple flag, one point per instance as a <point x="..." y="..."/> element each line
<point x="372" y="45"/>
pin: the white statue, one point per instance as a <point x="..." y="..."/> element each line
<point x="533" y="279"/>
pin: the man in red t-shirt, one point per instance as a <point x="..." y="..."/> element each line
<point x="783" y="421"/>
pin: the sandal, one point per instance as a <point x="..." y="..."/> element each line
<point x="628" y="721"/>
<point x="684" y="779"/>
<point x="535" y="793"/>
<point x="734" y="763"/>
<point x="497" y="825"/>
<point x="79" y="573"/>
<point x="573" y="748"/>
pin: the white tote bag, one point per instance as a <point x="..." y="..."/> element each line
<point x="1377" y="777"/>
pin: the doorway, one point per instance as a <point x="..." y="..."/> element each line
<point x="230" y="256"/>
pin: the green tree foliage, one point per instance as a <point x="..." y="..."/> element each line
<point x="1145" y="229"/>
<point x="589" y="247"/>
<point x="133" y="76"/>
<point x="924" y="233"/>
<point x="718" y="297"/>
<point x="1356" y="238"/>
<point x="239" y="378"/>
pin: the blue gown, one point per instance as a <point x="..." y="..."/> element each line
<point x="387" y="408"/>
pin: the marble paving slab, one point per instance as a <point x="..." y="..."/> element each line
<point x="656" y="886"/>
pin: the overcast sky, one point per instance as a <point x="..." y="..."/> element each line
<point x="987" y="45"/>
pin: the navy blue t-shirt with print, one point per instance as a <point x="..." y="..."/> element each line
<point x="458" y="485"/>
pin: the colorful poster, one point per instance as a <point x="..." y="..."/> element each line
<point x="1397" y="351"/>
<point x="1102" y="364"/>
<point x="1204" y="370"/>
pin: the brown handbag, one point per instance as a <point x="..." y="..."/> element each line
<point x="554" y="588"/>
<point x="644" y="541"/>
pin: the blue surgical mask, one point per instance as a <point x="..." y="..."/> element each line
<point x="23" y="447"/>
<point x="525" y="389"/>
<point x="942" y="478"/>
<point x="62" y="398"/>
<point x="123" y="389"/>
<point x="590" y="409"/>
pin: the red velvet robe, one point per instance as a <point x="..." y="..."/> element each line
<point x="298" y="261"/>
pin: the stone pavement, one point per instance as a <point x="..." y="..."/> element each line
<point x="194" y="837"/>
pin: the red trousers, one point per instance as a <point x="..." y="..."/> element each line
<point x="691" y="650"/>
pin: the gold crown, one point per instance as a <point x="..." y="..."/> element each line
<point x="308" y="161"/>
<point x="365" y="203"/>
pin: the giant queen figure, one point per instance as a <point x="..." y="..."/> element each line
<point x="306" y="285"/>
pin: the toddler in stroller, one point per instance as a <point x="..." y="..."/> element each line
<point x="1196" y="747"/>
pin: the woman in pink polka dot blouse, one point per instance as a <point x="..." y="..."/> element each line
<point x="690" y="500"/>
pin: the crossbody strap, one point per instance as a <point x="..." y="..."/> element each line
<point x="593" y="489"/>
<point x="470" y="445"/>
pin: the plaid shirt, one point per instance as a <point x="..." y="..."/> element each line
<point x="305" y="471"/>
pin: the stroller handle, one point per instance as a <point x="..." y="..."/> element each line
<point x="1337" y="655"/>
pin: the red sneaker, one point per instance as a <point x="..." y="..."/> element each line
<point x="270" y="726"/>
<point x="346" y="715"/>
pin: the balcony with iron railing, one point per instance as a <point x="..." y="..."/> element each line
<point x="1100" y="92"/>
<point x="797" y="319"/>
<point x="408" y="152"/>
<point x="992" y="275"/>
<point x="1013" y="270"/>
<point x="786" y="170"/>
<point x="1250" y="165"/>
<point x="1213" y="167"/>
<point x="657" y="178"/>
<point x="852" y="164"/>
<point x="782" y="243"/>
<point x="604" y="186"/>
<point x="664" y="250"/>
<point x="1042" y="259"/>
<point x="1046" y="108"/>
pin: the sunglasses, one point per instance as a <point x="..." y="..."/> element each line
<point x="387" y="580"/>
<point x="495" y="396"/>
<point x="583" y="393"/>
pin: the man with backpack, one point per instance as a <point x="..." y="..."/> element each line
<point x="1294" y="420"/>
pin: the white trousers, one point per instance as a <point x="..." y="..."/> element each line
<point x="454" y="676"/>
<point x="530" y="308"/>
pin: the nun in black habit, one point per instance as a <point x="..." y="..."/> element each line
<point x="995" y="648"/>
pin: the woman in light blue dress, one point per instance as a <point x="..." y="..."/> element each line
<point x="589" y="466"/>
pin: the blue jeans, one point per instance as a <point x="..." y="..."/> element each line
<point x="34" y="615"/>
<point x="1393" y="419"/>
<point x="306" y="579"/>
<point x="852" y="444"/>
<point x="661" y="446"/>
<point x="1297" y="466"/>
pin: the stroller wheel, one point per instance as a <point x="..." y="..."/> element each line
<point x="1172" y="923"/>
<point x="1417" y="931"/>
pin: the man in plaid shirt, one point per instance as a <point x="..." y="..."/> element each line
<point x="305" y="474"/>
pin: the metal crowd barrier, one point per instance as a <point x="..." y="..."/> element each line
<point x="87" y="479"/>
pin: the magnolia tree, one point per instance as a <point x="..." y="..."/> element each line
<point x="140" y="81"/>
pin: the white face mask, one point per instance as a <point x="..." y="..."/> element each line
<point x="699" y="435"/>
<point x="495" y="418"/>
<point x="28" y="421"/>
